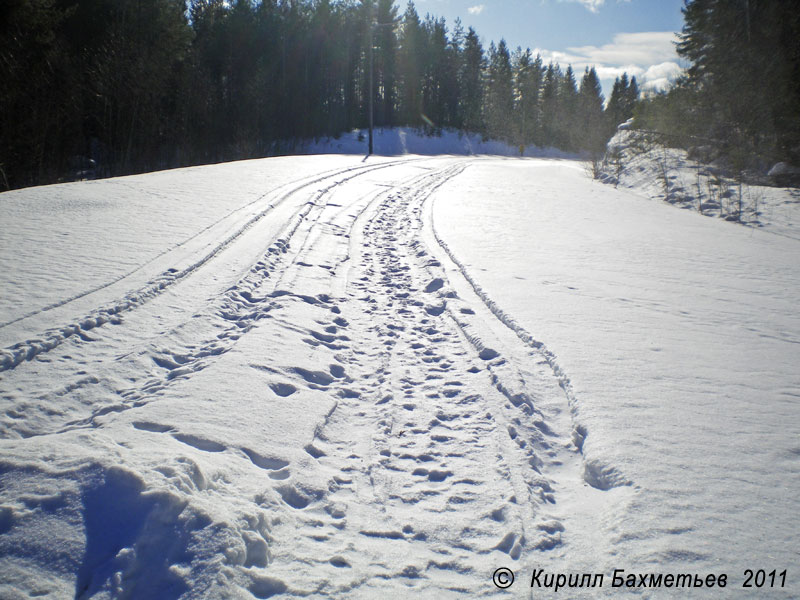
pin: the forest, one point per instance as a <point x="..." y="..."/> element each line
<point x="739" y="99"/>
<point x="114" y="87"/>
<point x="138" y="85"/>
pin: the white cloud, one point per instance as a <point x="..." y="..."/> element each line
<point x="644" y="48"/>
<point x="477" y="9"/>
<point x="649" y="56"/>
<point x="604" y="72"/>
<point x="660" y="77"/>
<point x="592" y="5"/>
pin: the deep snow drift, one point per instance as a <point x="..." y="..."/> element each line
<point x="328" y="377"/>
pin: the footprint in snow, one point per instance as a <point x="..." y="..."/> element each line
<point x="152" y="427"/>
<point x="276" y="466"/>
<point x="337" y="510"/>
<point x="435" y="311"/>
<point x="339" y="562"/>
<point x="314" y="451"/>
<point x="266" y="587"/>
<point x="316" y="377"/>
<point x="293" y="498"/>
<point x="511" y="545"/>
<point x="199" y="443"/>
<point x="283" y="389"/>
<point x="434" y="285"/>
<point x="488" y="354"/>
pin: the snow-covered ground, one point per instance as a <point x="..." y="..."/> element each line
<point x="637" y="161"/>
<point x="322" y="376"/>
<point x="398" y="141"/>
<point x="679" y="338"/>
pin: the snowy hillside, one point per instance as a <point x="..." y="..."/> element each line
<point x="324" y="376"/>
<point x="636" y="161"/>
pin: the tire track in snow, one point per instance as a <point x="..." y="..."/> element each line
<point x="423" y="472"/>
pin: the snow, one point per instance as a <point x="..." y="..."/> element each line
<point x="703" y="182"/>
<point x="678" y="335"/>
<point x="140" y="226"/>
<point x="324" y="376"/>
<point x="407" y="140"/>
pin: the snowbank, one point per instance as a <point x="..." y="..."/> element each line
<point x="699" y="182"/>
<point x="405" y="140"/>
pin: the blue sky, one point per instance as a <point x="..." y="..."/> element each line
<point x="613" y="35"/>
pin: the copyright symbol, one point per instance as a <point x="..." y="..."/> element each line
<point x="503" y="578"/>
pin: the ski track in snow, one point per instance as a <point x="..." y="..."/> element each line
<point x="26" y="350"/>
<point x="598" y="476"/>
<point x="173" y="275"/>
<point x="434" y="439"/>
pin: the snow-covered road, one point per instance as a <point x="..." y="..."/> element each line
<point x="319" y="376"/>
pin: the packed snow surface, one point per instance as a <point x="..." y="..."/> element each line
<point x="325" y="376"/>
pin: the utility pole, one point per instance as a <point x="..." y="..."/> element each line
<point x="371" y="27"/>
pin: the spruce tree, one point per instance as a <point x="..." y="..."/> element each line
<point x="568" y="127"/>
<point x="549" y="103"/>
<point x="471" y="83"/>
<point x="411" y="67"/>
<point x="451" y="81"/>
<point x="435" y="61"/>
<point x="499" y="92"/>
<point x="621" y="102"/>
<point x="591" y="113"/>
<point x="528" y="78"/>
<point x="734" y="48"/>
<point x="385" y="63"/>
<point x="631" y="97"/>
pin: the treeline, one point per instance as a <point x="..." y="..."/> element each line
<point x="740" y="97"/>
<point x="139" y="85"/>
